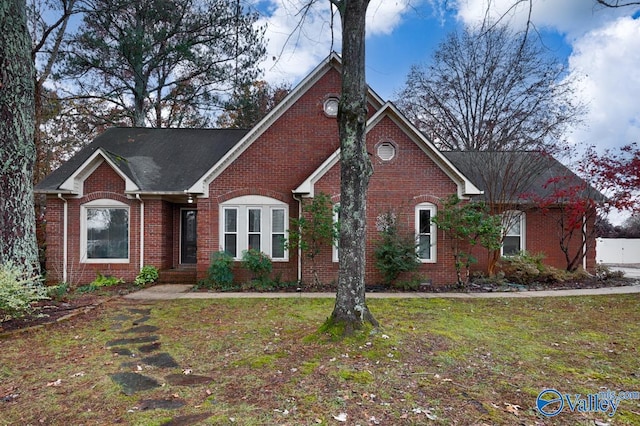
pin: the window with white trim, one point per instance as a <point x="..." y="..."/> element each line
<point x="230" y="231"/>
<point x="426" y="232"/>
<point x="254" y="222"/>
<point x="513" y="224"/>
<point x="278" y="227"/>
<point x="104" y="232"/>
<point x="335" y="252"/>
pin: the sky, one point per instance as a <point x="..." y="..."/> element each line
<point x="600" y="47"/>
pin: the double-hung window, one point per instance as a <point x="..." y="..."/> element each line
<point x="104" y="232"/>
<point x="513" y="224"/>
<point x="254" y="225"/>
<point x="254" y="222"/>
<point x="426" y="232"/>
<point x="278" y="220"/>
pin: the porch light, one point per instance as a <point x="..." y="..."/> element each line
<point x="190" y="199"/>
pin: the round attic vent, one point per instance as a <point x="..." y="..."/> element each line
<point x="331" y="107"/>
<point x="386" y="151"/>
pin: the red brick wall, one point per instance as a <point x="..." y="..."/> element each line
<point x="397" y="186"/>
<point x="543" y="236"/>
<point x="103" y="183"/>
<point x="286" y="154"/>
<point x="159" y="234"/>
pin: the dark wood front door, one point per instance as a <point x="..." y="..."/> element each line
<point x="188" y="236"/>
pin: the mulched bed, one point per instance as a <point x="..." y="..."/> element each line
<point x="50" y="311"/>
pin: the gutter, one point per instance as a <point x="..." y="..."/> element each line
<point x="65" y="232"/>
<point x="141" y="231"/>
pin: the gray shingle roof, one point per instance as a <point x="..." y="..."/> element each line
<point x="156" y="160"/>
<point x="501" y="171"/>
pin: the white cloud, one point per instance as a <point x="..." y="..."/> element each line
<point x="570" y="17"/>
<point x="607" y="59"/>
<point x="294" y="47"/>
<point x="385" y="16"/>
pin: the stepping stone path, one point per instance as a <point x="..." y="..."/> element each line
<point x="142" y="345"/>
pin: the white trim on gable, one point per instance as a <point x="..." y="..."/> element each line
<point x="465" y="186"/>
<point x="332" y="61"/>
<point x="74" y="183"/>
<point x="306" y="189"/>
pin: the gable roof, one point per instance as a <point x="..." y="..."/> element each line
<point x="333" y="61"/>
<point x="465" y="186"/>
<point x="149" y="160"/>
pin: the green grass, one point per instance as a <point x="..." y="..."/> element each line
<point x="462" y="361"/>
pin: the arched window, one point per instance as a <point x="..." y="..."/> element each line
<point x="254" y="222"/>
<point x="104" y="232"/>
<point x="426" y="232"/>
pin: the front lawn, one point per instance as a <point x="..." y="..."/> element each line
<point x="260" y="362"/>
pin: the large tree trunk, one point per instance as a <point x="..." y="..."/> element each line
<point x="351" y="311"/>
<point x="17" y="150"/>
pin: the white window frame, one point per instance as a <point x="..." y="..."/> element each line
<point x="223" y="228"/>
<point x="335" y="252"/>
<point x="102" y="204"/>
<point x="514" y="215"/>
<point x="267" y="206"/>
<point x="282" y="234"/>
<point x="432" y="231"/>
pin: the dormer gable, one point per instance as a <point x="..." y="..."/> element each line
<point x="465" y="187"/>
<point x="74" y="184"/>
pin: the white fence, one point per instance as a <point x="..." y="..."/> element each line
<point x="618" y="250"/>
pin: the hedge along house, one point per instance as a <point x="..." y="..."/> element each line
<point x="172" y="197"/>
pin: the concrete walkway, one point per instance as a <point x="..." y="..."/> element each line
<point x="180" y="291"/>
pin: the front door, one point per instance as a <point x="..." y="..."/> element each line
<point x="188" y="236"/>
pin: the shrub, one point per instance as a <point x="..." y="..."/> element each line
<point x="99" y="282"/>
<point x="57" y="292"/>
<point x="220" y="272"/>
<point x="527" y="269"/>
<point x="603" y="273"/>
<point x="523" y="268"/>
<point x="19" y="289"/>
<point x="106" y="281"/>
<point x="257" y="263"/>
<point x="411" y="284"/>
<point x="394" y="253"/>
<point x="148" y="274"/>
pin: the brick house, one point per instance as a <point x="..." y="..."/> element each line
<point x="171" y="197"/>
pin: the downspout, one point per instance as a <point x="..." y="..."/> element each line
<point x="141" y="231"/>
<point x="584" y="242"/>
<point x="65" y="255"/>
<point x="299" y="200"/>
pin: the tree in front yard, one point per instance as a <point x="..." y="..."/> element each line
<point x="350" y="311"/>
<point x="17" y="149"/>
<point x="495" y="93"/>
<point x="468" y="224"/>
<point x="314" y="231"/>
